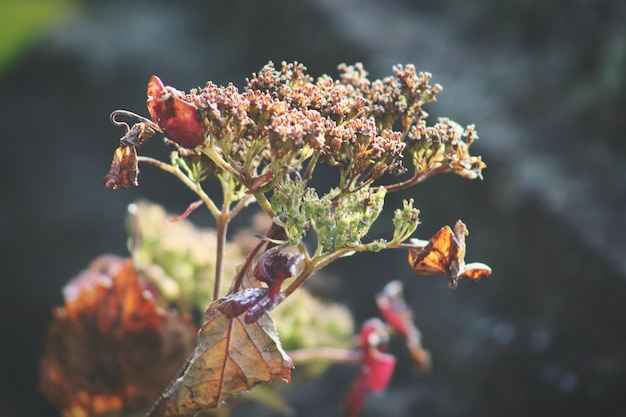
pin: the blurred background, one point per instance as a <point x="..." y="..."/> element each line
<point x="545" y="84"/>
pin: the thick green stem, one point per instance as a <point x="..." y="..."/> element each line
<point x="309" y="169"/>
<point x="264" y="203"/>
<point x="222" y="228"/>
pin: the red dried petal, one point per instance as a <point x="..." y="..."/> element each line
<point x="253" y="301"/>
<point x="398" y="315"/>
<point x="355" y="399"/>
<point x="377" y="366"/>
<point x="378" y="369"/>
<point x="444" y="254"/>
<point x="373" y="333"/>
<point x="180" y="120"/>
<point x="124" y="169"/>
<point x="394" y="310"/>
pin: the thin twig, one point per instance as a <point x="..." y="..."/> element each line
<point x="327" y="354"/>
<point x="416" y="178"/>
<point x="240" y="205"/>
<point x="194" y="186"/>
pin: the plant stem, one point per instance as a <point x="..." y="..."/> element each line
<point x="240" y="205"/>
<point x="309" y="169"/>
<point x="328" y="354"/>
<point x="416" y="178"/>
<point x="220" y="162"/>
<point x="222" y="228"/>
<point x="195" y="187"/>
<point x="264" y="203"/>
<point x="320" y="261"/>
<point x="317" y="263"/>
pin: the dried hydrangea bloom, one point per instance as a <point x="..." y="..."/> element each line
<point x="284" y="119"/>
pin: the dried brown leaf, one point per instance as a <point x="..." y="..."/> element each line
<point x="124" y="168"/>
<point x="444" y="254"/>
<point x="111" y="350"/>
<point x="232" y="356"/>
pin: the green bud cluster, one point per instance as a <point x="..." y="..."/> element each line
<point x="405" y="221"/>
<point x="339" y="220"/>
<point x="287" y="202"/>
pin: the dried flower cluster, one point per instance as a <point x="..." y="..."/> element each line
<point x="284" y="118"/>
<point x="264" y="144"/>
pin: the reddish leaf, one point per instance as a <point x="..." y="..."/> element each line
<point x="399" y="316"/>
<point x="178" y="118"/>
<point x="103" y="345"/>
<point x="378" y="369"/>
<point x="265" y="304"/>
<point x="355" y="399"/>
<point x="444" y="254"/>
<point x="231" y="356"/>
<point x="274" y="266"/>
<point x="239" y="302"/>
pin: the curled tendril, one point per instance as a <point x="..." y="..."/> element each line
<point x="130" y="114"/>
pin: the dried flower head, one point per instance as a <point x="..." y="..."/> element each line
<point x="285" y="119"/>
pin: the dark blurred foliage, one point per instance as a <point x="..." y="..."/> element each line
<point x="542" y="336"/>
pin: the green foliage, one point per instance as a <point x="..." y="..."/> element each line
<point x="22" y="22"/>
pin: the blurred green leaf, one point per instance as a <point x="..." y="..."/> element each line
<point x="22" y="22"/>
